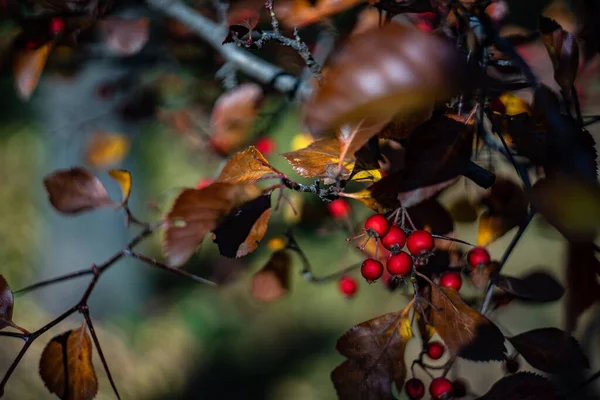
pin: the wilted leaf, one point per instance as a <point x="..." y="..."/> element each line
<point x="550" y="350"/>
<point x="403" y="124"/>
<point x="28" y="67"/>
<point x="299" y="13"/>
<point x="583" y="289"/>
<point x="564" y="52"/>
<point x="247" y="166"/>
<point x="538" y="286"/>
<point x="123" y="178"/>
<point x="571" y="205"/>
<point x="376" y="198"/>
<point x="272" y="281"/>
<point x="375" y="352"/>
<point x="106" y="149"/>
<point x="71" y="191"/>
<point x="6" y="304"/>
<point x="382" y="73"/>
<point x="243" y="229"/>
<point x="66" y="366"/>
<point x="467" y="333"/>
<point x="197" y="212"/>
<point x="232" y="117"/>
<point x="126" y="36"/>
<point x="521" y="386"/>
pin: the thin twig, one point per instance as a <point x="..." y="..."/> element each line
<point x="177" y="271"/>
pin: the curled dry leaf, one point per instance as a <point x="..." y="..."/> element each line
<point x="71" y="191"/>
<point x="521" y="386"/>
<point x="28" y="67"/>
<point x="123" y="178"/>
<point x="376" y="197"/>
<point x="6" y="304"/>
<point x="272" y="281"/>
<point x="106" y="149"/>
<point x="299" y="13"/>
<point x="232" y="117"/>
<point x="241" y="231"/>
<point x="550" y="350"/>
<point x="537" y="286"/>
<point x="126" y="36"/>
<point x="467" y="333"/>
<point x="564" y="52"/>
<point x="248" y="166"/>
<point x="375" y="352"/>
<point x="66" y="366"/>
<point x="382" y="73"/>
<point x="570" y="204"/>
<point x="197" y="212"/>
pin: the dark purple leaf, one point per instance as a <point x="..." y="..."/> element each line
<point x="521" y="386"/>
<point x="538" y="286"/>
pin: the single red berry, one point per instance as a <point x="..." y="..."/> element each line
<point x="57" y="26"/>
<point x="339" y="208"/>
<point x="204" y="182"/>
<point x="478" y="256"/>
<point x="415" y="389"/>
<point x="451" y="279"/>
<point x="459" y="387"/>
<point x="348" y="286"/>
<point x="419" y="242"/>
<point x="377" y="225"/>
<point x="440" y="389"/>
<point x="395" y="238"/>
<point x="399" y="264"/>
<point x="265" y="145"/>
<point x="511" y="365"/>
<point x="435" y="350"/>
<point x="371" y="269"/>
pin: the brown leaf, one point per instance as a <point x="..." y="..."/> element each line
<point x="272" y="281"/>
<point x="106" y="149"/>
<point x="564" y="52"/>
<point x="403" y="124"/>
<point x="467" y="333"/>
<point x="376" y="198"/>
<point x="382" y="73"/>
<point x="537" y="286"/>
<point x="28" y="67"/>
<point x="123" y="178"/>
<point x="299" y="13"/>
<point x="126" y="36"/>
<point x="197" y="212"/>
<point x="242" y="230"/>
<point x="375" y="352"/>
<point x="570" y="204"/>
<point x="583" y="289"/>
<point x="66" y="366"/>
<point x="71" y="191"/>
<point x="550" y="350"/>
<point x="6" y="304"/>
<point x="480" y="276"/>
<point x="232" y="117"/>
<point x="521" y="386"/>
<point x="247" y="166"/>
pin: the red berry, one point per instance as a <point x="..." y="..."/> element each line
<point x="451" y="279"/>
<point x="204" y="182"/>
<point x="348" y="286"/>
<point x="371" y="269"/>
<point x="265" y="145"/>
<point x="415" y="390"/>
<point x="339" y="208"/>
<point x="435" y="350"/>
<point x="440" y="389"/>
<point x="399" y="264"/>
<point x="419" y="242"/>
<point x="478" y="256"/>
<point x="57" y="26"/>
<point x="394" y="238"/>
<point x="377" y="225"/>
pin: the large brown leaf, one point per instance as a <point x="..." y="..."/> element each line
<point x="467" y="333"/>
<point x="197" y="212"/>
<point x="247" y="166"/>
<point x="273" y="280"/>
<point x="375" y="352"/>
<point x="521" y="386"/>
<point x="75" y="190"/>
<point x="381" y="73"/>
<point x="66" y="366"/>
<point x="550" y="350"/>
<point x="299" y="13"/>
<point x="232" y="117"/>
<point x="28" y="67"/>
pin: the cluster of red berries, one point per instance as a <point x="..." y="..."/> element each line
<point x="394" y="238"/>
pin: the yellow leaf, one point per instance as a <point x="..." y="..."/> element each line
<point x="369" y="198"/>
<point x="28" y="67"/>
<point x="301" y="141"/>
<point x="247" y="166"/>
<point x="514" y="105"/>
<point x="106" y="150"/>
<point x="123" y="178"/>
<point x="276" y="244"/>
